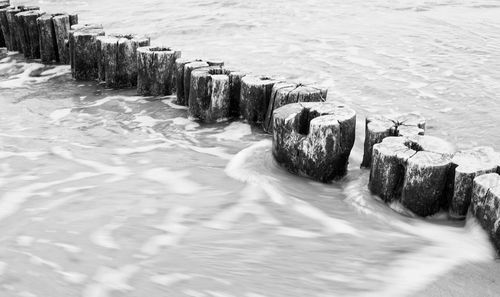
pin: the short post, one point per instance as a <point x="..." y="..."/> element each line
<point x="188" y="68"/>
<point x="378" y="127"/>
<point x="485" y="205"/>
<point x="467" y="165"/>
<point x="255" y="96"/>
<point x="414" y="170"/>
<point x="285" y="93"/>
<point x="3" y="36"/>
<point x="314" y="139"/>
<point x="180" y="63"/>
<point x="30" y="38"/>
<point x="71" y="39"/>
<point x="156" y="68"/>
<point x="209" y="97"/>
<point x="61" y="26"/>
<point x="14" y="34"/>
<point x="48" y="43"/>
<point x="235" y="77"/>
<point x="118" y="59"/>
<point x="83" y="43"/>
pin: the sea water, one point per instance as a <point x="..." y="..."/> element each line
<point x="104" y="193"/>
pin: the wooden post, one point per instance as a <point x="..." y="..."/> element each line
<point x="118" y="59"/>
<point x="13" y="29"/>
<point x="188" y="68"/>
<point x="414" y="170"/>
<point x="235" y="77"/>
<point x="467" y="165"/>
<point x="179" y="79"/>
<point x="83" y="40"/>
<point x="3" y="43"/>
<point x="215" y="62"/>
<point x="4" y="26"/>
<point x="255" y="97"/>
<point x="30" y="36"/>
<point x="209" y="97"/>
<point x="424" y="188"/>
<point x="314" y="139"/>
<point x="285" y="93"/>
<point x="71" y="40"/>
<point x="378" y="127"/>
<point x="388" y="168"/>
<point x="485" y="205"/>
<point x="48" y="41"/>
<point x="156" y="68"/>
<point x="61" y="25"/>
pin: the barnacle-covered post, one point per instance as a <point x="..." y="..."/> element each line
<point x="467" y="165"/>
<point x="255" y="96"/>
<point x="209" y="97"/>
<point x="485" y="205"/>
<point x="156" y="68"/>
<point x="84" y="51"/>
<point x="4" y="32"/>
<point x="314" y="139"/>
<point x="378" y="127"/>
<point x="118" y="59"/>
<point x="414" y="170"/>
<point x="285" y="93"/>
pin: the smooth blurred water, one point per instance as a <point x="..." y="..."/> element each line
<point x="103" y="193"/>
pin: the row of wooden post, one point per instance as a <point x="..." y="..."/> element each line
<point x="310" y="138"/>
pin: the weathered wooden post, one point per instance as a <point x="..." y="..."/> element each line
<point x="30" y="37"/>
<point x="209" y="97"/>
<point x="467" y="165"/>
<point x="285" y="93"/>
<point x="412" y="169"/>
<point x="378" y="127"/>
<point x="188" y="68"/>
<point x="180" y="63"/>
<point x="118" y="59"/>
<point x="156" y="68"/>
<point x="255" y="97"/>
<point x="48" y="41"/>
<point x="314" y="139"/>
<point x="4" y="24"/>
<point x="13" y="30"/>
<point x="235" y="77"/>
<point x="485" y="205"/>
<point x="83" y="44"/>
<point x="3" y="36"/>
<point x="61" y="24"/>
<point x="71" y="39"/>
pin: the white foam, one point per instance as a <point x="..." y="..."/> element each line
<point x="118" y="172"/>
<point x="219" y="294"/>
<point x="234" y="132"/>
<point x="243" y="167"/>
<point x="11" y="201"/>
<point x="59" y="114"/>
<point x="174" y="181"/>
<point x="141" y="149"/>
<point x="213" y="151"/>
<point x="22" y="79"/>
<point x="33" y="156"/>
<point x="170" y="102"/>
<point x="169" y="279"/>
<point x="108" y="280"/>
<point x="3" y="267"/>
<point x="188" y="124"/>
<point x="172" y="227"/>
<point x="295" y="232"/>
<point x="103" y="236"/>
<point x="68" y="247"/>
<point x="24" y="240"/>
<point x="246" y="205"/>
